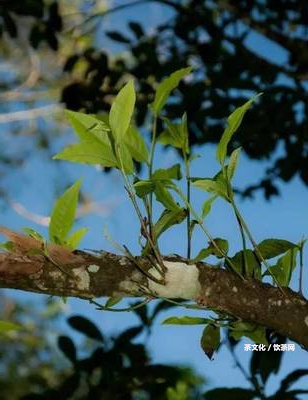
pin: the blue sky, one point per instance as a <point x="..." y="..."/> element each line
<point x="283" y="217"/>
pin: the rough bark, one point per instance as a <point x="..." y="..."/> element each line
<point x="57" y="271"/>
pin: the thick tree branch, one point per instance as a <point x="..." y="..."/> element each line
<point x="52" y="269"/>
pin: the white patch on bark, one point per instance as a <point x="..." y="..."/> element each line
<point x="182" y="281"/>
<point x="83" y="281"/>
<point x="130" y="284"/>
<point x="93" y="268"/>
<point x="234" y="289"/>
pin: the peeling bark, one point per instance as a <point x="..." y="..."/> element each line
<point x="61" y="272"/>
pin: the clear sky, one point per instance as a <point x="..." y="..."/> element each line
<point x="282" y="217"/>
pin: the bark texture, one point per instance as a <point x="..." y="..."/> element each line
<point x="55" y="270"/>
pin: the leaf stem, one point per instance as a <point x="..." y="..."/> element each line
<point x="188" y="190"/>
<point x="207" y="233"/>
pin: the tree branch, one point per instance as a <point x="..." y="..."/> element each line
<point x="58" y="271"/>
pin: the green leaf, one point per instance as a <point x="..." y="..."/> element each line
<point x="126" y="159"/>
<point x="233" y="161"/>
<point x="230" y="394"/>
<point x="254" y="332"/>
<point x="210" y="340"/>
<point x="63" y="214"/>
<point x="234" y="121"/>
<point x="270" y="248"/>
<point x="285" y="266"/>
<point x="8" y="326"/>
<point x="163" y="196"/>
<point x="88" y="152"/>
<point x="218" y="185"/>
<point x="33" y="234"/>
<point x="88" y="126"/>
<point x="175" y="135"/>
<point x="143" y="188"/>
<point x="207" y="205"/>
<point x="74" y="240"/>
<point x="203" y="253"/>
<point x="112" y="301"/>
<point x="166" y="86"/>
<point x="122" y="110"/>
<point x="173" y="172"/>
<point x="253" y="268"/>
<point x="168" y="219"/>
<point x="9" y="246"/>
<point x="186" y="320"/>
<point x="211" y="250"/>
<point x="136" y="145"/>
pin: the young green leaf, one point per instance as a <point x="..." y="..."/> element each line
<point x="33" y="234"/>
<point x="112" y="301"/>
<point x="186" y="320"/>
<point x="270" y="248"/>
<point x="166" y="220"/>
<point x="164" y="197"/>
<point x="8" y="326"/>
<point x="122" y="110"/>
<point x="234" y="121"/>
<point x="176" y="135"/>
<point x="210" y="340"/>
<point x="125" y="159"/>
<point x="173" y="172"/>
<point x="211" y="186"/>
<point x="253" y="268"/>
<point x="207" y="205"/>
<point x="136" y="145"/>
<point x="86" y="126"/>
<point x="143" y="188"/>
<point x="285" y="266"/>
<point x="63" y="214"/>
<point x="166" y="86"/>
<point x="74" y="240"/>
<point x="233" y="161"/>
<point x="203" y="253"/>
<point x="88" y="152"/>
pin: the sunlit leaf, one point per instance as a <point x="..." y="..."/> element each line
<point x="88" y="152"/>
<point x="166" y="86"/>
<point x="136" y="145"/>
<point x="74" y="240"/>
<point x="233" y="123"/>
<point x="233" y="162"/>
<point x="122" y="110"/>
<point x="32" y="233"/>
<point x="63" y="214"/>
<point x="207" y="205"/>
<point x="173" y="172"/>
<point x="88" y="126"/>
<point x="143" y="188"/>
